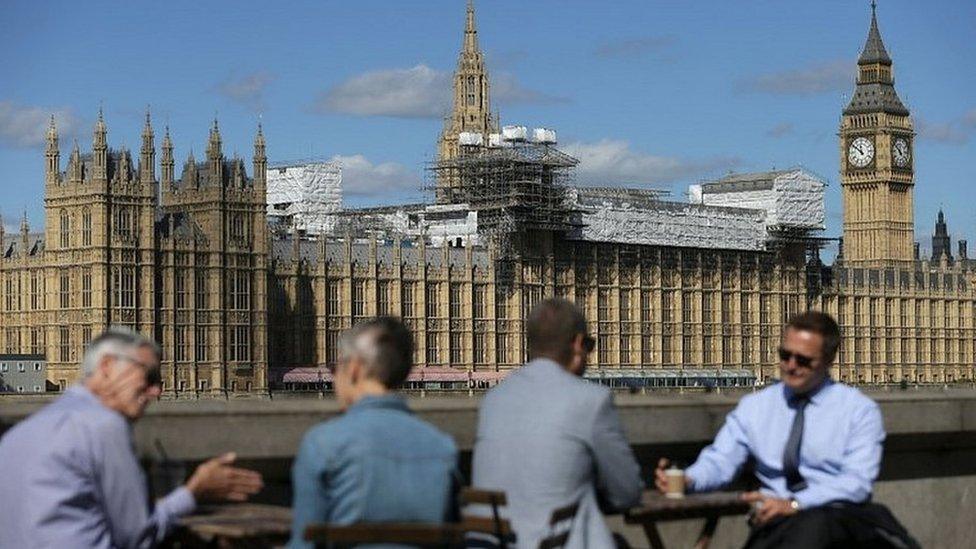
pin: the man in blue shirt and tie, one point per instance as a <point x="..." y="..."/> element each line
<point x="377" y="462"/>
<point x="816" y="445"/>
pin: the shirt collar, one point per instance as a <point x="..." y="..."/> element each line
<point x="80" y="391"/>
<point x="815" y="396"/>
<point x="84" y="394"/>
<point x="381" y="402"/>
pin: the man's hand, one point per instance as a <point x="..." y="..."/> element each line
<point x="217" y="480"/>
<point x="768" y="507"/>
<point x="661" y="478"/>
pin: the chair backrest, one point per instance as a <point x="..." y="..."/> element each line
<point x="485" y="497"/>
<point x="420" y="535"/>
<point x="563" y="514"/>
<point x="498" y="529"/>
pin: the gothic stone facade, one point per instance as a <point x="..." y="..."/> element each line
<point x="234" y="309"/>
<point x="188" y="269"/>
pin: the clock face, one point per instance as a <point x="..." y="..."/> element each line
<point x="900" y="153"/>
<point x="861" y="152"/>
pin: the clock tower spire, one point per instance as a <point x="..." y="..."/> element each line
<point x="877" y="175"/>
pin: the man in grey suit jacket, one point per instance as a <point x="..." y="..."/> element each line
<point x="548" y="439"/>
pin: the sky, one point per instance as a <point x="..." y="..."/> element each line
<point x="646" y="93"/>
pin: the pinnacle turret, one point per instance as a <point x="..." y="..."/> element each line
<point x="147" y="155"/>
<point x="167" y="163"/>
<point x="52" y="154"/>
<point x="941" y="242"/>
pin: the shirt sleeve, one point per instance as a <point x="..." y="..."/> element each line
<point x="860" y="466"/>
<point x="121" y="481"/>
<point x="309" y="502"/>
<point x="618" y="473"/>
<point x="719" y="462"/>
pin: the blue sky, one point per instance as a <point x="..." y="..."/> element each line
<point x="657" y="94"/>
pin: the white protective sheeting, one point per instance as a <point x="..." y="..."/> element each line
<point x="791" y="199"/>
<point x="305" y="197"/>
<point x="661" y="223"/>
<point x="453" y="223"/>
<point x="514" y="133"/>
<point x="470" y="139"/>
<point x="544" y="135"/>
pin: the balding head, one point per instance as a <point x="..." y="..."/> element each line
<point x="552" y="328"/>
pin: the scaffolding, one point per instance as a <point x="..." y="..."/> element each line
<point x="304" y="197"/>
<point x="516" y="187"/>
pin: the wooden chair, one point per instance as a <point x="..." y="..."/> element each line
<point x="434" y="536"/>
<point x="559" y="516"/>
<point x="498" y="528"/>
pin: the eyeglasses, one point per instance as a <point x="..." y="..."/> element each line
<point x="801" y="360"/>
<point x="154" y="377"/>
<point x="588" y="343"/>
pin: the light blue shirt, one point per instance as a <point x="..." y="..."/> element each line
<point x="375" y="463"/>
<point x="840" y="452"/>
<point x="69" y="477"/>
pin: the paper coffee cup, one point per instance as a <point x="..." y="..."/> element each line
<point x="675" y="482"/>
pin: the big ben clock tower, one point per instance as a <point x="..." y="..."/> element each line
<point x="876" y="162"/>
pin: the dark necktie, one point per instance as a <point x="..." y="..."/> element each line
<point x="791" y="454"/>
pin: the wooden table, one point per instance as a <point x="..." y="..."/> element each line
<point x="712" y="506"/>
<point x="242" y="525"/>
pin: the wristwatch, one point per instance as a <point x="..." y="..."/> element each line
<point x="795" y="505"/>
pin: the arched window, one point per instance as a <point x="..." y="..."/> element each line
<point x="65" y="229"/>
<point x="86" y="227"/>
<point x="471" y="90"/>
<point x="123" y="221"/>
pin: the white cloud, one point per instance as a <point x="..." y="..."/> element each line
<point x="780" y="130"/>
<point x="26" y="126"/>
<point x="247" y="90"/>
<point x="951" y="132"/>
<point x="506" y="90"/>
<point x="635" y="47"/>
<point x="822" y="77"/>
<point x="612" y="162"/>
<point x="969" y="119"/>
<point x="363" y="178"/>
<point x="416" y="92"/>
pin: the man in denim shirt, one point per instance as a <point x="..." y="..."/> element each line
<point x="377" y="462"/>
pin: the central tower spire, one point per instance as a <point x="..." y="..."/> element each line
<point x="470" y="31"/>
<point x="471" y="110"/>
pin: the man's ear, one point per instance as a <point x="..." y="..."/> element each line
<point x="578" y="344"/>
<point x="354" y="368"/>
<point x="104" y="368"/>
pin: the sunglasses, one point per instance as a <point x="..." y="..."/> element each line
<point x="801" y="360"/>
<point x="588" y="343"/>
<point x="154" y="376"/>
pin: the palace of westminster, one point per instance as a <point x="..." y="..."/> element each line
<point x="672" y="290"/>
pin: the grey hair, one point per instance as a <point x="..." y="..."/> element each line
<point x="386" y="347"/>
<point x="115" y="340"/>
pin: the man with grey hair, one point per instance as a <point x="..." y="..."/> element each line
<point x="549" y="439"/>
<point x="70" y="477"/>
<point x="377" y="462"/>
